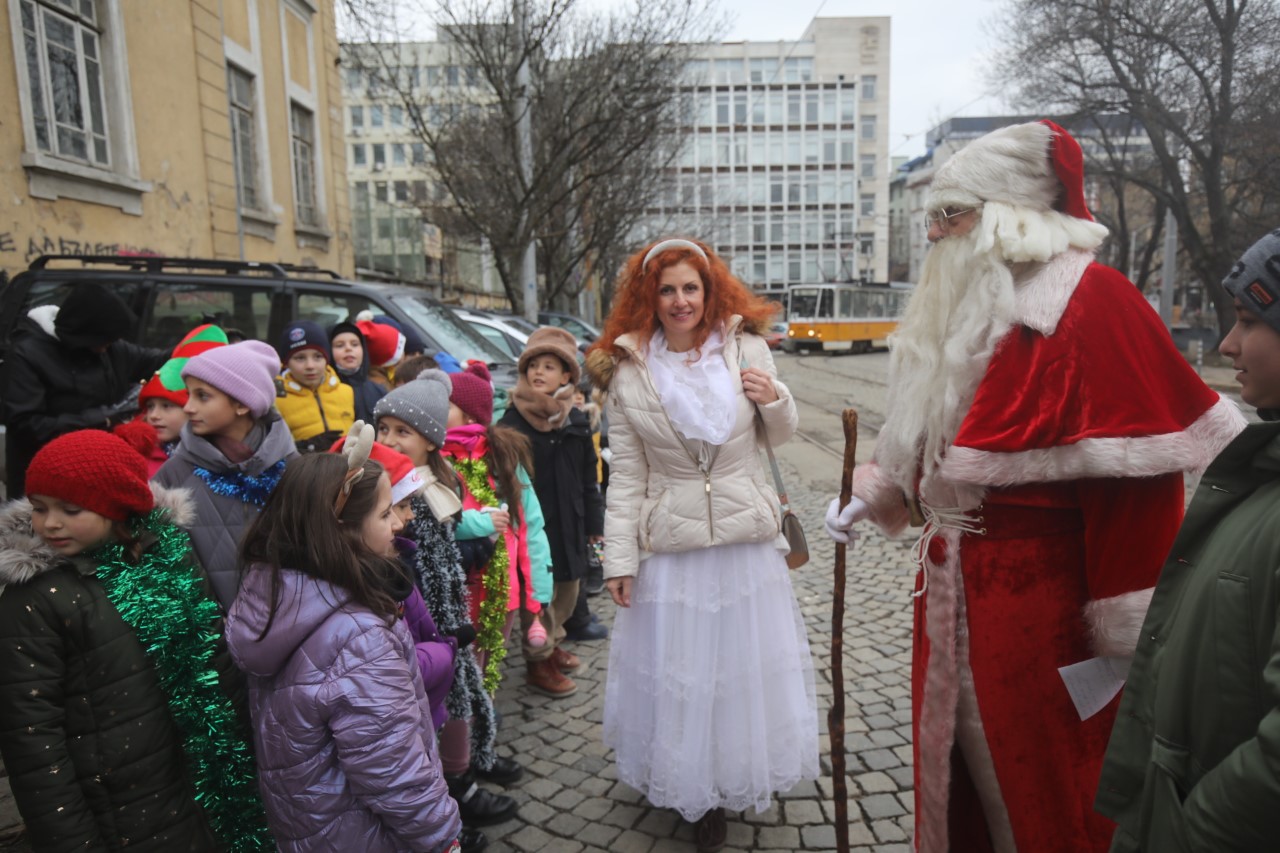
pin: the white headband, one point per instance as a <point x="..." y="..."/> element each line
<point x="672" y="244"/>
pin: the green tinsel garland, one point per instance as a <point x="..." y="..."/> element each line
<point x="497" y="584"/>
<point x="164" y="601"/>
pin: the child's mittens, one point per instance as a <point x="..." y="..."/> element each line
<point x="537" y="634"/>
<point x="465" y="635"/>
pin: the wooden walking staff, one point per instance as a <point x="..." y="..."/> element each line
<point x="835" y="716"/>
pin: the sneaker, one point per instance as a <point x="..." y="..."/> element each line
<point x="565" y="661"/>
<point x="505" y="771"/>
<point x="543" y="677"/>
<point x="588" y="633"/>
<point x="477" y="806"/>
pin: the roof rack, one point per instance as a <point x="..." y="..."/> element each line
<point x="158" y="264"/>
<point x="312" y="270"/>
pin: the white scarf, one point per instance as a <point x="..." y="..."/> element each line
<point x="695" y="388"/>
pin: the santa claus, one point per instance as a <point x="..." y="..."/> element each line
<point x="1039" y="424"/>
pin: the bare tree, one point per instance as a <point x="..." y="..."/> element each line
<point x="1201" y="76"/>
<point x="605" y="119"/>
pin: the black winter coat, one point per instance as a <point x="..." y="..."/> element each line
<point x="50" y="389"/>
<point x="94" y="757"/>
<point x="564" y="478"/>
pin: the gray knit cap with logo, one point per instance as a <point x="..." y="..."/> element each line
<point x="423" y="404"/>
<point x="1255" y="279"/>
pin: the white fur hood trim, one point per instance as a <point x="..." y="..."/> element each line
<point x="1040" y="302"/>
<point x="44" y="316"/>
<point x="23" y="555"/>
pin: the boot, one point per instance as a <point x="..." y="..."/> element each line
<point x="472" y="840"/>
<point x="565" y="661"/>
<point x="543" y="677"/>
<point x="476" y="806"/>
<point x="504" y="772"/>
<point x="710" y="831"/>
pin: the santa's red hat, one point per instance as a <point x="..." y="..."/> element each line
<point x="1036" y="165"/>
<point x="1032" y="177"/>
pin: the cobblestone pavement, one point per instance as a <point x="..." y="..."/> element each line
<point x="570" y="800"/>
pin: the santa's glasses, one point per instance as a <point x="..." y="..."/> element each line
<point x="943" y="217"/>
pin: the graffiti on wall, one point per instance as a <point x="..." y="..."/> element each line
<point x="37" y="246"/>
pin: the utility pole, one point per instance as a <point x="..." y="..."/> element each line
<point x="1168" y="267"/>
<point x="524" y="129"/>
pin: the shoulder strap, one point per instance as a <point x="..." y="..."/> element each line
<point x="768" y="445"/>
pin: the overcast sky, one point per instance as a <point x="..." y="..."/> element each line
<point x="937" y="54"/>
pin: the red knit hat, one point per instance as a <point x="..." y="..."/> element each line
<point x="405" y="479"/>
<point x="167" y="382"/>
<point x="103" y="472"/>
<point x="473" y="392"/>
<point x="385" y="343"/>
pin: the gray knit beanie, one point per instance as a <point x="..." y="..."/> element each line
<point x="1255" y="279"/>
<point x="423" y="404"/>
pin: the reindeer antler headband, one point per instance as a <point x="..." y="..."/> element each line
<point x="671" y="244"/>
<point x="356" y="448"/>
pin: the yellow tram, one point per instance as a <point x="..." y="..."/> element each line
<point x="842" y="317"/>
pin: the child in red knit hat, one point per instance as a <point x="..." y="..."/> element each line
<point x="114" y="728"/>
<point x="493" y="462"/>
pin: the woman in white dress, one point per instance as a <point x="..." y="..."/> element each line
<point x="709" y="702"/>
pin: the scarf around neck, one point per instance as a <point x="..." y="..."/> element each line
<point x="544" y="412"/>
<point x="470" y="441"/>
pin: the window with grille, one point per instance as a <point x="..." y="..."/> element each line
<point x="61" y="40"/>
<point x="244" y="146"/>
<point x="303" y="132"/>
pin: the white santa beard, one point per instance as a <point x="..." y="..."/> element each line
<point x="962" y="307"/>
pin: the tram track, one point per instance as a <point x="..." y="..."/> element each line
<point x="817" y="395"/>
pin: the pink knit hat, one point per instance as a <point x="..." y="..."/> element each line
<point x="245" y="372"/>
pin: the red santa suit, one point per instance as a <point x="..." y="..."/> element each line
<point x="1048" y="521"/>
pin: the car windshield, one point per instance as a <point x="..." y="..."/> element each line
<point x="454" y="337"/>
<point x="519" y="322"/>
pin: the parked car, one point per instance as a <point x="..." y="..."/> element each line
<point x="170" y="296"/>
<point x="777" y="334"/>
<point x="505" y="331"/>
<point x="579" y="328"/>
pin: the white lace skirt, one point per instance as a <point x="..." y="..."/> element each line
<point x="709" y="699"/>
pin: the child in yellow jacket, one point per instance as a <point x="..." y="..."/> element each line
<point x="317" y="405"/>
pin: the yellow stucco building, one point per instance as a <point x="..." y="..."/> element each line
<point x="183" y="128"/>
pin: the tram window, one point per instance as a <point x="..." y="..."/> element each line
<point x="846" y="304"/>
<point x="804" y="303"/>
<point x="860" y="305"/>
<point x="825" y="306"/>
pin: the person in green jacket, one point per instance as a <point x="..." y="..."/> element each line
<point x="1194" y="758"/>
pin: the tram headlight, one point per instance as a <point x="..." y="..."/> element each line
<point x="811" y="333"/>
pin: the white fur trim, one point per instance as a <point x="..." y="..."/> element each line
<point x="883" y="496"/>
<point x="1040" y="302"/>
<point x="1115" y="623"/>
<point x="44" y="317"/>
<point x="1146" y="456"/>
<point x="177" y="501"/>
<point x="23" y="554"/>
<point x="937" y="721"/>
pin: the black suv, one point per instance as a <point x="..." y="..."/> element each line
<point x="171" y="296"/>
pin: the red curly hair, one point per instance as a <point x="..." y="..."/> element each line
<point x="635" y="303"/>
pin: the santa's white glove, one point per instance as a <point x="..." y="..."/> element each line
<point x="840" y="521"/>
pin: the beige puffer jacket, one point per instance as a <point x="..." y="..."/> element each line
<point x="658" y="499"/>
